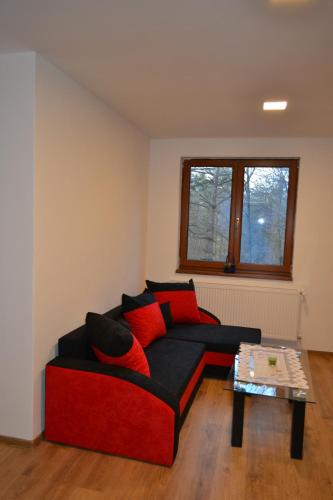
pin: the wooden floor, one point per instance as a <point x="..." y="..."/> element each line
<point x="206" y="468"/>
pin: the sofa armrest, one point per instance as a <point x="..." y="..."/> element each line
<point x="110" y="409"/>
<point x="208" y="317"/>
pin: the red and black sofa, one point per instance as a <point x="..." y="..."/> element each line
<point x="114" y="409"/>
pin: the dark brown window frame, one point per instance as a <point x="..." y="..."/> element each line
<point x="281" y="272"/>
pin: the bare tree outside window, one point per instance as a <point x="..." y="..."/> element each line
<point x="209" y="213"/>
<point x="264" y="215"/>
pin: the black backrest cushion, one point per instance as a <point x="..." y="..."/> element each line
<point x="182" y="299"/>
<point x="144" y="316"/>
<point x="114" y="313"/>
<point x="114" y="344"/>
<point x="154" y="286"/>
<point x="167" y="316"/>
<point x="76" y="344"/>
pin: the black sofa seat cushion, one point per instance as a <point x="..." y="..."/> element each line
<point x="217" y="338"/>
<point x="172" y="363"/>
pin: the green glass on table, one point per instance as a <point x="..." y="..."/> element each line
<point x="272" y="360"/>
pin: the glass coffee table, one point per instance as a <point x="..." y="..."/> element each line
<point x="271" y="370"/>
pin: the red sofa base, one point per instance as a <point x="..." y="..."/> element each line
<point x="108" y="414"/>
<point x="219" y="359"/>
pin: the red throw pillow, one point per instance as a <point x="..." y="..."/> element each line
<point x="182" y="298"/>
<point x="114" y="344"/>
<point x="144" y="316"/>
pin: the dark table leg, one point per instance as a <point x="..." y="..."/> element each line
<point x="237" y="419"/>
<point x="297" y="430"/>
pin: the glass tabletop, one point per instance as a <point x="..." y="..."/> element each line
<point x="234" y="383"/>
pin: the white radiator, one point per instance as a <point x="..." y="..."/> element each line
<point x="275" y="310"/>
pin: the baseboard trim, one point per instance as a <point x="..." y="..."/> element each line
<point x="25" y="443"/>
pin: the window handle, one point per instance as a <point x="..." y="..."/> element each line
<point x="237" y="223"/>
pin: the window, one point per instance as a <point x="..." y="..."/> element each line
<point x="240" y="209"/>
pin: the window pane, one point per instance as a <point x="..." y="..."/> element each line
<point x="264" y="215"/>
<point x="209" y="213"/>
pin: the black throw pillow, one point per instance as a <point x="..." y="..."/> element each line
<point x="114" y="344"/>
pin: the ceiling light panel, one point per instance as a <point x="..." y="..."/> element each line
<point x="275" y="105"/>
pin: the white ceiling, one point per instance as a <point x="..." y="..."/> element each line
<point x="190" y="68"/>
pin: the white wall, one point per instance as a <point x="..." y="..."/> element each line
<point x="17" y="77"/>
<point x="90" y="212"/>
<point x="73" y="203"/>
<point x="313" y="263"/>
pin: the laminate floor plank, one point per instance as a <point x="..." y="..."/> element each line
<point x="206" y="468"/>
